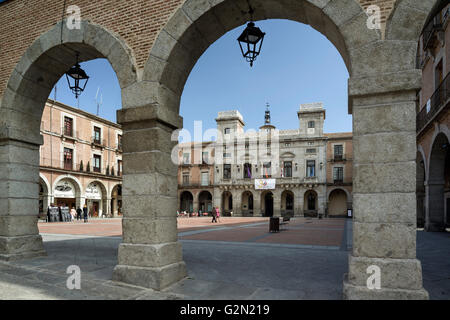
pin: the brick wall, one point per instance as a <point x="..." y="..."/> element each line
<point x="138" y="22"/>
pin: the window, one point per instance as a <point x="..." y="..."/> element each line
<point x="310" y="150"/>
<point x="287" y="169"/>
<point x="287" y="144"/>
<point x="97" y="163"/>
<point x="310" y="168"/>
<point x="247" y="171"/>
<point x="205" y="157"/>
<point x="225" y="153"/>
<point x="267" y="169"/>
<point x="227" y="130"/>
<point x="97" y="135"/>
<point x="186" y="158"/>
<point x="338" y="151"/>
<point x="68" y="156"/>
<point x="338" y="174"/>
<point x="227" y="171"/>
<point x="119" y="167"/>
<point x="119" y="142"/>
<point x="68" y="126"/>
<point x="311" y="124"/>
<point x="289" y="202"/>
<point x="205" y="178"/>
<point x="185" y="179"/>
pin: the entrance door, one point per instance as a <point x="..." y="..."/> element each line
<point x="269" y="204"/>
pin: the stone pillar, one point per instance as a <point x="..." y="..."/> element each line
<point x="384" y="201"/>
<point x="19" y="199"/>
<point x="299" y="202"/>
<point x="150" y="255"/>
<point x="277" y="203"/>
<point x="195" y="204"/>
<point x="237" y="203"/>
<point x="257" y="204"/>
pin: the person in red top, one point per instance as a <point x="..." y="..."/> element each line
<point x="214" y="214"/>
<point x="217" y="214"/>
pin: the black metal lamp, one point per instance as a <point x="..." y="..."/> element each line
<point x="251" y="40"/>
<point x="77" y="78"/>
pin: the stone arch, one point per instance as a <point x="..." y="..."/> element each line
<point x="23" y="102"/>
<point x="337" y="202"/>
<point x="439" y="129"/>
<point x="407" y="19"/>
<point x="439" y="166"/>
<point x="91" y="202"/>
<point x="226" y="203"/>
<point x="116" y="200"/>
<point x="186" y="201"/>
<point x="310" y="202"/>
<point x="349" y="196"/>
<point x="287" y="203"/>
<point x="78" y="188"/>
<point x="205" y="199"/>
<point x="197" y="24"/>
<point x="46" y="195"/>
<point x="247" y="203"/>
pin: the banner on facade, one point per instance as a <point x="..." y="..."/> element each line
<point x="93" y="192"/>
<point x="265" y="184"/>
<point x="64" y="189"/>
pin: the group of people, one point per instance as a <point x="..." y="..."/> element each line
<point x="61" y="213"/>
<point x="215" y="214"/>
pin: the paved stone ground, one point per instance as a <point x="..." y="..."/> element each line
<point x="260" y="265"/>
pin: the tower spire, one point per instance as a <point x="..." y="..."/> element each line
<point x="267" y="115"/>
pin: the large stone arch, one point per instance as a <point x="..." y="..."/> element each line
<point x="103" y="201"/>
<point x="197" y="24"/>
<point x="22" y="104"/>
<point x="382" y="92"/>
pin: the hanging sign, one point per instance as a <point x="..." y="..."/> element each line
<point x="265" y="184"/>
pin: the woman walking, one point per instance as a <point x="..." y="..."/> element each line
<point x="214" y="215"/>
<point x="217" y="214"/>
<point x="73" y="213"/>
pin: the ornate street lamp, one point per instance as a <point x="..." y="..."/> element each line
<point x="77" y="78"/>
<point x="251" y="40"/>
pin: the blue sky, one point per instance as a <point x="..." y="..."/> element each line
<point x="297" y="65"/>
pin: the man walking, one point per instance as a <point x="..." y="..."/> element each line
<point x="85" y="213"/>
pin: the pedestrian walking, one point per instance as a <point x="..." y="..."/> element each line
<point x="217" y="214"/>
<point x="73" y="213"/>
<point x="79" y="213"/>
<point x="85" y="213"/>
<point x="214" y="215"/>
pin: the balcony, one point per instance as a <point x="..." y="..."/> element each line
<point x="75" y="167"/>
<point x="69" y="134"/>
<point x="98" y="142"/>
<point x="438" y="101"/>
<point x="338" y="158"/>
<point x="430" y="32"/>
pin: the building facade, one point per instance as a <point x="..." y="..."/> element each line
<point x="268" y="172"/>
<point x="339" y="173"/>
<point x="80" y="161"/>
<point x="433" y="122"/>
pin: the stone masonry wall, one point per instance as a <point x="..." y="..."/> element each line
<point x="138" y="22"/>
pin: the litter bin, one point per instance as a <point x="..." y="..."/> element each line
<point x="274" y="224"/>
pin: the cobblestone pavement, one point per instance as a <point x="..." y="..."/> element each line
<point x="235" y="259"/>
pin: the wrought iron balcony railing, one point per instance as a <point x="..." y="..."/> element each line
<point x="438" y="100"/>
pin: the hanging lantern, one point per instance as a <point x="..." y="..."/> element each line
<point x="250" y="42"/>
<point x="77" y="78"/>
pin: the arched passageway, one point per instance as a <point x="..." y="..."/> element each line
<point x="186" y="202"/>
<point x="205" y="202"/>
<point x="227" y="203"/>
<point x="310" y="203"/>
<point x="337" y="203"/>
<point x="438" y="183"/>
<point x="287" y="203"/>
<point x="116" y="201"/>
<point x="247" y="204"/>
<point x="267" y="204"/>
<point x="382" y="85"/>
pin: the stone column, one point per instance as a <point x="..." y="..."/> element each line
<point x="195" y="204"/>
<point x="257" y="204"/>
<point x="150" y="255"/>
<point x="19" y="199"/>
<point x="277" y="203"/>
<point x="237" y="203"/>
<point x="384" y="201"/>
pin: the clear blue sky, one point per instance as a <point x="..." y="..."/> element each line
<point x="297" y="65"/>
